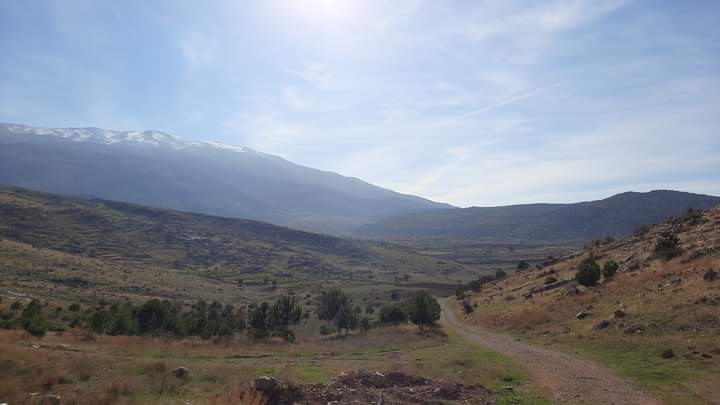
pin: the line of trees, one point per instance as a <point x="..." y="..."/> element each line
<point x="337" y="308"/>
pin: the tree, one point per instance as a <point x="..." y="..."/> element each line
<point x="500" y="274"/>
<point x="346" y="319"/>
<point x="33" y="320"/>
<point x="364" y="325"/>
<point x="610" y="268"/>
<point x="523" y="265"/>
<point x="423" y="309"/>
<point x="392" y="314"/>
<point x="588" y="272"/>
<point x="259" y="321"/>
<point x="330" y="303"/>
<point x="285" y="312"/>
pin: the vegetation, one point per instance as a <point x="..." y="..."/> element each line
<point x="588" y="273"/>
<point x="423" y="309"/>
<point x="668" y="247"/>
<point x="523" y="265"/>
<point x="610" y="268"/>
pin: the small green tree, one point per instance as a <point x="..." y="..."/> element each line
<point x="259" y="321"/>
<point x="610" y="268"/>
<point x="364" y="325"/>
<point x="588" y="272"/>
<point x="423" y="309"/>
<point x="346" y="319"/>
<point x="330" y="303"/>
<point x="285" y="312"/>
<point x="392" y="314"/>
<point x="33" y="320"/>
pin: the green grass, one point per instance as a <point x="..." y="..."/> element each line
<point x="675" y="380"/>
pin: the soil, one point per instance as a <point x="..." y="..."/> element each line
<point x="564" y="377"/>
<point x="366" y="387"/>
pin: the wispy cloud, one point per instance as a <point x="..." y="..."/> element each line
<point x="510" y="100"/>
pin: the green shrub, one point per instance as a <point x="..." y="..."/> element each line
<point x="610" y="268"/>
<point x="588" y="272"/>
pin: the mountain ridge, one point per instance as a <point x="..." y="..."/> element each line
<point x="614" y="216"/>
<point x="158" y="169"/>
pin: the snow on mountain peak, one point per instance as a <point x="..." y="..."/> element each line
<point x="111" y="137"/>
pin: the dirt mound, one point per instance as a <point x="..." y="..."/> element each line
<point x="365" y="387"/>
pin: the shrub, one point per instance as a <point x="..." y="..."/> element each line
<point x="668" y="247"/>
<point x="523" y="265"/>
<point x="33" y="320"/>
<point x="588" y="272"/>
<point x="610" y="268"/>
<point x="500" y="274"/>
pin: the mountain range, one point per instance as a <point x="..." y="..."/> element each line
<point x="158" y="169"/>
<point x="615" y="216"/>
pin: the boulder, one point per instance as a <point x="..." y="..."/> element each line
<point x="711" y="275"/>
<point x="181" y="373"/>
<point x="582" y="314"/>
<point x="604" y="324"/>
<point x="265" y="383"/>
<point x="619" y="313"/>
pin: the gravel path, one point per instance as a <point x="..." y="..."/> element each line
<point x="565" y="378"/>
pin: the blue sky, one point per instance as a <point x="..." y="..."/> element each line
<point x="472" y="103"/>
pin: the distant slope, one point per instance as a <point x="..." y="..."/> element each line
<point x="51" y="244"/>
<point x="614" y="216"/>
<point x="157" y="169"/>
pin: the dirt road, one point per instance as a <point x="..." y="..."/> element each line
<point x="565" y="378"/>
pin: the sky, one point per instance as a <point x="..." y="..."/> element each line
<point x="474" y="103"/>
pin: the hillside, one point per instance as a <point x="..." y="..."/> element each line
<point x="656" y="321"/>
<point x="158" y="169"/>
<point x="615" y="216"/>
<point x="65" y="248"/>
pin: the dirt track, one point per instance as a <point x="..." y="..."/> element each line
<point x="564" y="377"/>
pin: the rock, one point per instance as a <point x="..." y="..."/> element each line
<point x="711" y="275"/>
<point x="181" y="373"/>
<point x="50" y="399"/>
<point x="668" y="354"/>
<point x="582" y="315"/>
<point x="601" y="325"/>
<point x="265" y="383"/>
<point x="550" y="280"/>
<point x="619" y="313"/>
<point x="634" y="329"/>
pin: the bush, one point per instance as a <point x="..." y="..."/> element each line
<point x="610" y="268"/>
<point x="523" y="265"/>
<point x="588" y="272"/>
<point x="500" y="274"/>
<point x="668" y="247"/>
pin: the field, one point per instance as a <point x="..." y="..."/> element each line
<point x="115" y="369"/>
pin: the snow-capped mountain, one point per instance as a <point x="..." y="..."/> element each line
<point x="110" y="137"/>
<point x="159" y="169"/>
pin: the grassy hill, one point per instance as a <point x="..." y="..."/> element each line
<point x="656" y="321"/>
<point x="615" y="216"/>
<point x="76" y="249"/>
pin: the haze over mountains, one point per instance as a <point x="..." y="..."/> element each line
<point x="159" y="169"/>
<point x="615" y="216"/>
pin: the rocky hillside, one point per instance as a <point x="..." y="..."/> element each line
<point x="668" y="282"/>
